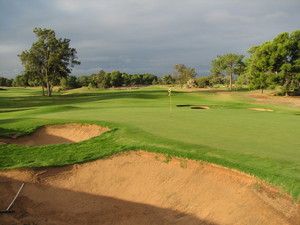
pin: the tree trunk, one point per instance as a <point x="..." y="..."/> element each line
<point x="49" y="89"/>
<point x="287" y="85"/>
<point x="262" y="91"/>
<point x="230" y="85"/>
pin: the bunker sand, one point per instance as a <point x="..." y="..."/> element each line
<point x="143" y="188"/>
<point x="58" y="134"/>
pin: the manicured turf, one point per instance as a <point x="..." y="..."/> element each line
<point x="265" y="144"/>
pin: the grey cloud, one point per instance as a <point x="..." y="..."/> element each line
<point x="143" y="36"/>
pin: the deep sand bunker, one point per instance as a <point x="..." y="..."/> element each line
<point x="140" y="188"/>
<point x="58" y="134"/>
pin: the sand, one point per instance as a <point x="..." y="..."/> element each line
<point x="139" y="188"/>
<point x="58" y="134"/>
<point x="261" y="109"/>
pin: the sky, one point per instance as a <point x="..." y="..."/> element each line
<point x="143" y="36"/>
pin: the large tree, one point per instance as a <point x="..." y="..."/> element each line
<point x="277" y="62"/>
<point x="183" y="74"/>
<point x="227" y="64"/>
<point x="49" y="59"/>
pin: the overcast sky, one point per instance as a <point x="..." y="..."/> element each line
<point x="143" y="36"/>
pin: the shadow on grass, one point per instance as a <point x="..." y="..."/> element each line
<point x="8" y="132"/>
<point x="63" y="206"/>
<point x="35" y="101"/>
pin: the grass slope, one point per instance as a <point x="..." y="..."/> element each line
<point x="265" y="144"/>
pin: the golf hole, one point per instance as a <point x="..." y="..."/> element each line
<point x="58" y="134"/>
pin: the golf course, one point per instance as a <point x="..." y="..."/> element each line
<point x="243" y="131"/>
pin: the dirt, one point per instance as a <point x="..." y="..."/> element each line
<point x="268" y="97"/>
<point x="58" y="134"/>
<point x="142" y="188"/>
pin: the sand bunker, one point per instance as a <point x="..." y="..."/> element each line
<point x="194" y="106"/>
<point x="199" y="107"/>
<point x="261" y="109"/>
<point x="58" y="134"/>
<point x="139" y="188"/>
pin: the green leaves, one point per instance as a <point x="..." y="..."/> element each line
<point x="183" y="73"/>
<point x="49" y="59"/>
<point x="227" y="64"/>
<point x="279" y="58"/>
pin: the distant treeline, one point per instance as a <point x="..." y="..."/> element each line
<point x="100" y="80"/>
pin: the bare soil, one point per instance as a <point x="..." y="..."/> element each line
<point x="58" y="134"/>
<point x="142" y="188"/>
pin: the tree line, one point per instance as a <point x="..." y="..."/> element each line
<point x="272" y="64"/>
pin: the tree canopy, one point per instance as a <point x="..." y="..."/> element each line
<point x="228" y="64"/>
<point x="277" y="62"/>
<point x="183" y="74"/>
<point x="49" y="59"/>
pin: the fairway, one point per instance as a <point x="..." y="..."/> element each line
<point x="261" y="143"/>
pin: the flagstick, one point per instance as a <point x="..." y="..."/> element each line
<point x="170" y="95"/>
<point x="171" y="106"/>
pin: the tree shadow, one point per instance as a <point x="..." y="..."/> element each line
<point x="36" y="101"/>
<point x="43" y="204"/>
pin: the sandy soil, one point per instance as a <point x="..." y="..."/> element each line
<point x="58" y="134"/>
<point x="261" y="109"/>
<point x="140" y="188"/>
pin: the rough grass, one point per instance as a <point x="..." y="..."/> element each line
<point x="265" y="144"/>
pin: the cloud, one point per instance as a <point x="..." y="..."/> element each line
<point x="275" y="15"/>
<point x="9" y="48"/>
<point x="143" y="36"/>
<point x="223" y="16"/>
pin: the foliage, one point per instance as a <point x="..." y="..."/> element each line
<point x="203" y="82"/>
<point x="228" y="64"/>
<point x="69" y="82"/>
<point x="5" y="82"/>
<point x="48" y="59"/>
<point x="276" y="62"/>
<point x="168" y="79"/>
<point x="183" y="74"/>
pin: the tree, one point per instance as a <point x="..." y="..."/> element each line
<point x="228" y="64"/>
<point x="203" y="82"/>
<point x="116" y="79"/>
<point x="183" y="74"/>
<point x="69" y="82"/>
<point x="277" y="62"/>
<point x="168" y="79"/>
<point x="49" y="59"/>
<point x="83" y="81"/>
<point x="5" y="82"/>
<point x="21" y="81"/>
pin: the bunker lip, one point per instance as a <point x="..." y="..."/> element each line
<point x="194" y="106"/>
<point x="140" y="188"/>
<point x="58" y="134"/>
<point x="261" y="109"/>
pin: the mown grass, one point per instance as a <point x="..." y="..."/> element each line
<point x="265" y="144"/>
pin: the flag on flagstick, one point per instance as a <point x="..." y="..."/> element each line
<point x="169" y="92"/>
